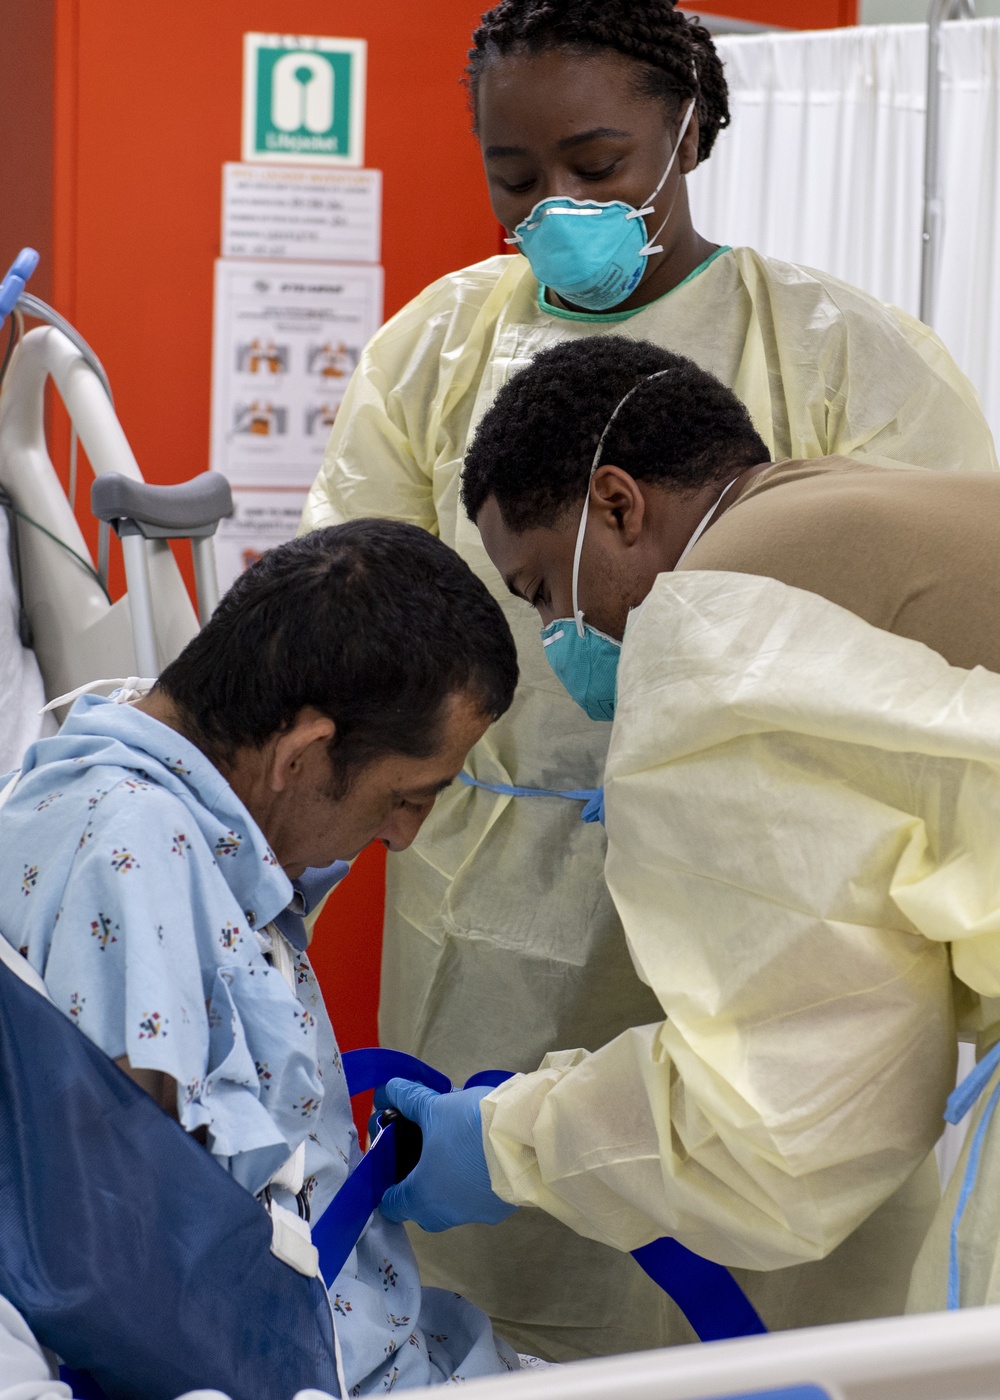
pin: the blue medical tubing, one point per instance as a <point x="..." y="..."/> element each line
<point x="792" y="1392"/>
<point x="593" y="797"/>
<point x="706" y="1293"/>
<point x="14" y="281"/>
<point x="13" y="294"/>
<point x="959" y="1102"/>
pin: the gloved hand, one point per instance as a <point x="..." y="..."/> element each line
<point x="450" y="1185"/>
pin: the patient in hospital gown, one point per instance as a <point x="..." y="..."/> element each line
<point x="140" y="888"/>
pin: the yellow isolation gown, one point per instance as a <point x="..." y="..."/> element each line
<point x="801" y="818"/>
<point x="501" y="940"/>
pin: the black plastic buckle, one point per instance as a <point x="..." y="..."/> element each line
<point x="409" y="1140"/>
<point x="301" y="1202"/>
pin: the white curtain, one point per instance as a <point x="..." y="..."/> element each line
<point x="967" y="315"/>
<point x="823" y="165"/>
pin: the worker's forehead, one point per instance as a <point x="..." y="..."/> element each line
<point x="512" y="550"/>
<point x="558" y="96"/>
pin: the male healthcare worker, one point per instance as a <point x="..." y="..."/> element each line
<point x="500" y="941"/>
<point x="802" y="800"/>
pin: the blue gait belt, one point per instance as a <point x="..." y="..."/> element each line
<point x="706" y="1293"/>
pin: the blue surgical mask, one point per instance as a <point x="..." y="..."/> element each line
<point x="587" y="664"/>
<point x="592" y="254"/>
<point x="584" y="658"/>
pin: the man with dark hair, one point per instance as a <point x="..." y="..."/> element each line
<point x="908" y="550"/>
<point x="149" y="852"/>
<point x="801" y="796"/>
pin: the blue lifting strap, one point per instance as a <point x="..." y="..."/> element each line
<point x="342" y="1223"/>
<point x="706" y="1293"/>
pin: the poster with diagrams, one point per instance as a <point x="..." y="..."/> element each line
<point x="261" y="518"/>
<point x="287" y="337"/>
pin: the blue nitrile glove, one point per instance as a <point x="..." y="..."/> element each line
<point x="450" y="1185"/>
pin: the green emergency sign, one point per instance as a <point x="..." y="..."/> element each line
<point x="303" y="99"/>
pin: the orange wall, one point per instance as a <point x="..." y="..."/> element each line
<point x="794" y="14"/>
<point x="115" y="120"/>
<point x="26" y="116"/>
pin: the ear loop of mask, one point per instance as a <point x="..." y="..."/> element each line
<point x="647" y="208"/>
<point x="706" y="520"/>
<point x="577" y="612"/>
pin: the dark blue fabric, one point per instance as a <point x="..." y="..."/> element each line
<point x="706" y="1293"/>
<point x="372" y="1067"/>
<point x="129" y="1252"/>
<point x="84" y="1387"/>
<point x="342" y="1223"/>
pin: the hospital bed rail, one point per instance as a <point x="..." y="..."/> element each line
<point x="933" y="1356"/>
<point x="79" y="634"/>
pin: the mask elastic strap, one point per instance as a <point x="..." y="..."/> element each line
<point x="649" y="248"/>
<point x="577" y="611"/>
<point x="706" y="521"/>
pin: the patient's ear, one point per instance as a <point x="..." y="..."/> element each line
<point x="300" y="747"/>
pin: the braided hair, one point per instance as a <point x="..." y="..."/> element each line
<point x="677" y="56"/>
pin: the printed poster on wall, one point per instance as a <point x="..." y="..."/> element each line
<point x="260" y="520"/>
<point x="301" y="212"/>
<point x="287" y="337"/>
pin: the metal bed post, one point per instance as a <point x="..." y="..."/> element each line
<point x="940" y="11"/>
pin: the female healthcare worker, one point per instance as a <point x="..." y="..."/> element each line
<point x="501" y="942"/>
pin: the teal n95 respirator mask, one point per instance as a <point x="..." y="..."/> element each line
<point x="589" y="253"/>
<point x="584" y="658"/>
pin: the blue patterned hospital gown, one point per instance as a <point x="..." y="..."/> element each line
<point x="137" y="884"/>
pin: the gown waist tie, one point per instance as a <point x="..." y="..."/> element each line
<point x="592" y="798"/>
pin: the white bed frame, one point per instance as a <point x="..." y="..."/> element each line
<point x="78" y="635"/>
<point x="937" y="1356"/>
